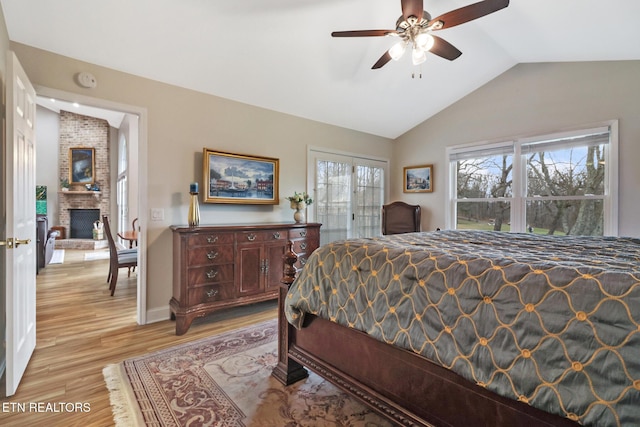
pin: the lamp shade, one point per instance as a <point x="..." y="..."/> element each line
<point x="418" y="56"/>
<point x="424" y="41"/>
<point x="397" y="50"/>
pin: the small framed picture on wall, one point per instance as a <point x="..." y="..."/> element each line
<point x="418" y="179"/>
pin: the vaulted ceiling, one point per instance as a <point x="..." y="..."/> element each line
<point x="278" y="54"/>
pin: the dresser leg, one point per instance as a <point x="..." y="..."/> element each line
<point x="182" y="324"/>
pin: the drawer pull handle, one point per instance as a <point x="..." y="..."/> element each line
<point x="211" y="274"/>
<point x="303" y="261"/>
<point x="251" y="237"/>
<point x="212" y="239"/>
<point x="276" y="235"/>
<point x="212" y="255"/>
<point x="212" y="293"/>
<point x="303" y="233"/>
<point x="303" y="245"/>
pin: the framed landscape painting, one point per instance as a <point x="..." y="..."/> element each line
<point x="82" y="165"/>
<point x="418" y="179"/>
<point x="239" y="178"/>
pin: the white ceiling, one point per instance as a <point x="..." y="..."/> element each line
<point x="113" y="117"/>
<point x="278" y="54"/>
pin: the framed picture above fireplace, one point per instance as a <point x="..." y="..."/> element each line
<point x="82" y="165"/>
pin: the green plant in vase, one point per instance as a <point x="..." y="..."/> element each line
<point x="299" y="201"/>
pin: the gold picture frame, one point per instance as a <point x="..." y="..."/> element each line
<point x="418" y="179"/>
<point x="239" y="178"/>
<point x="82" y="165"/>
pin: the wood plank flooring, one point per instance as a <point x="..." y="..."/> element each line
<point x="81" y="329"/>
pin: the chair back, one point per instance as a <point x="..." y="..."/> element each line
<point x="400" y="217"/>
<point x="107" y="230"/>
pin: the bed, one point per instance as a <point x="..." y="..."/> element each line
<point x="459" y="328"/>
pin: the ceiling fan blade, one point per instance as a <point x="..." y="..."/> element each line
<point x="443" y="48"/>
<point x="363" y="33"/>
<point x="412" y="8"/>
<point x="382" y="61"/>
<point x="469" y="13"/>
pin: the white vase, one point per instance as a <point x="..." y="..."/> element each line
<point x="298" y="215"/>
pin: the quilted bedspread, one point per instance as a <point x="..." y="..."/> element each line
<point x="552" y="321"/>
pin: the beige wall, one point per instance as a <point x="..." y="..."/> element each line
<point x="532" y="99"/>
<point x="180" y="123"/>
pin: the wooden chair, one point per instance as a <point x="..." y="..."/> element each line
<point x="124" y="258"/>
<point x="400" y="217"/>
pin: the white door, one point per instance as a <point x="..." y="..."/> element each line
<point x="349" y="194"/>
<point x="20" y="243"/>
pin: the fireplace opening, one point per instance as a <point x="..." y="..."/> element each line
<point x="81" y="222"/>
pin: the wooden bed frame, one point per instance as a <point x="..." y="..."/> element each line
<point x="400" y="385"/>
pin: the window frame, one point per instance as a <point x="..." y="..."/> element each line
<point x="519" y="199"/>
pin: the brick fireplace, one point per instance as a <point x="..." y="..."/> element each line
<point x="86" y="132"/>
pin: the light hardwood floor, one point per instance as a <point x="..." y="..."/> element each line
<point x="81" y="329"/>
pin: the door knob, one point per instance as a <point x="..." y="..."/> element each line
<point x="11" y="242"/>
<point x="22" y="242"/>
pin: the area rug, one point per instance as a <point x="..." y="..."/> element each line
<point x="57" y="257"/>
<point x="225" y="381"/>
<point x="92" y="256"/>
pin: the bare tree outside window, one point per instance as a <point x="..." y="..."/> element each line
<point x="563" y="190"/>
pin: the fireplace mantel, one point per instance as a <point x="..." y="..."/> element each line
<point x="71" y="192"/>
<point x="95" y="194"/>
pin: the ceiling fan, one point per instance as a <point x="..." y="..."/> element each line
<point x="415" y="26"/>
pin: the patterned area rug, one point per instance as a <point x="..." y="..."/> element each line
<point x="225" y="380"/>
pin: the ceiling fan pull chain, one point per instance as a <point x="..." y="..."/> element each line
<point x="413" y="73"/>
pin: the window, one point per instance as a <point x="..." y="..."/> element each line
<point x="348" y="195"/>
<point x="122" y="186"/>
<point x="553" y="184"/>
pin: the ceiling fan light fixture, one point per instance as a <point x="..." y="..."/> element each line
<point x="397" y="50"/>
<point x="418" y="56"/>
<point x="425" y="41"/>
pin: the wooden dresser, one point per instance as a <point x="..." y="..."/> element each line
<point x="219" y="266"/>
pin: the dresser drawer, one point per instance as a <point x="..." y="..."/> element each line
<point x="210" y="274"/>
<point x="210" y="255"/>
<point x="302" y="260"/>
<point x="302" y="246"/>
<point x="306" y="233"/>
<point x="211" y="293"/>
<point x="262" y="236"/>
<point x="209" y="238"/>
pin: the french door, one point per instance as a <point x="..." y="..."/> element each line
<point x="349" y="192"/>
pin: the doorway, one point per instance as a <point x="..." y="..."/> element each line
<point x="132" y="125"/>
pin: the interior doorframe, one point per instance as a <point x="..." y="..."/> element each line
<point x="141" y="112"/>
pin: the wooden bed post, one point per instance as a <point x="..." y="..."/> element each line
<point x="287" y="371"/>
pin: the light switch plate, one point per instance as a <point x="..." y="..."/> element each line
<point x="157" y="214"/>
